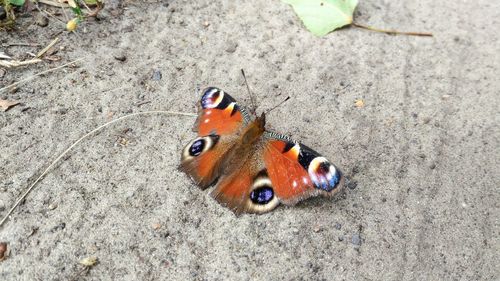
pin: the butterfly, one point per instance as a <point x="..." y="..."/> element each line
<point x="253" y="170"/>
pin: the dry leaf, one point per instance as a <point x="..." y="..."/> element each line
<point x="6" y="104"/>
<point x="359" y="103"/>
<point x="3" y="251"/>
<point x="72" y="3"/>
<point x="89" y="261"/>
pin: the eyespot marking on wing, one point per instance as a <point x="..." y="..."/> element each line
<point x="262" y="196"/>
<point x="198" y="146"/>
<point x="216" y="98"/>
<point x="323" y="174"/>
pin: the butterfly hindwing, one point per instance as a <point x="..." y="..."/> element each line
<point x="247" y="188"/>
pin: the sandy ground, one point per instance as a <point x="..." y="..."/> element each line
<point x="422" y="155"/>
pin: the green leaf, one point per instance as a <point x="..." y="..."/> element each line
<point x="90" y="2"/>
<point x="17" y="2"/>
<point x="324" y="16"/>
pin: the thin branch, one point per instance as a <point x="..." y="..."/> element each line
<point x="390" y="31"/>
<point x="55" y="4"/>
<point x="21" y="44"/>
<point x="16" y="63"/>
<point x="44" y="50"/>
<point x="38" y="74"/>
<point x="23" y="196"/>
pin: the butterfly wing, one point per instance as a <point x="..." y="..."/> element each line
<point x="277" y="170"/>
<point x="219" y="114"/>
<point x="247" y="187"/>
<point x="220" y="119"/>
<point x="298" y="172"/>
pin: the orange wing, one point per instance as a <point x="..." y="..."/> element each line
<point x="298" y="172"/>
<point x="219" y="114"/>
<point x="219" y="122"/>
<point x="247" y="188"/>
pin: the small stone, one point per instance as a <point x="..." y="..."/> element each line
<point x="156" y="75"/>
<point x="352" y="184"/>
<point x="356" y="239"/>
<point x="445" y="97"/>
<point x="341" y="238"/>
<point x="120" y="57"/>
<point x="359" y="103"/>
<point x="52" y="206"/>
<point x="295" y="231"/>
<point x="426" y="120"/>
<point x="231" y="47"/>
<point x="60" y="226"/>
<point x="156" y="226"/>
<point x="41" y="20"/>
<point x="432" y="166"/>
<point x="338" y="226"/>
<point x="206" y="24"/>
<point x="317" y="228"/>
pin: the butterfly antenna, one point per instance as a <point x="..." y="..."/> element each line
<point x="252" y="97"/>
<point x="274" y="107"/>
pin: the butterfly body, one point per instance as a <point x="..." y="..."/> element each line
<point x="255" y="169"/>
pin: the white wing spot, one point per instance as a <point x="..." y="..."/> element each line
<point x="305" y="180"/>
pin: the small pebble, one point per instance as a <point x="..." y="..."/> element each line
<point x="426" y="120"/>
<point x="60" y="226"/>
<point x="341" y="238"/>
<point x="206" y="23"/>
<point x="120" y="57"/>
<point x="231" y="47"/>
<point x="356" y="239"/>
<point x="295" y="231"/>
<point x="52" y="206"/>
<point x="432" y="166"/>
<point x="352" y="184"/>
<point x="359" y="103"/>
<point x="156" y="226"/>
<point x="338" y="226"/>
<point x="156" y="75"/>
<point x="42" y="21"/>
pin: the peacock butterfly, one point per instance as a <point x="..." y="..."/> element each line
<point x="254" y="170"/>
